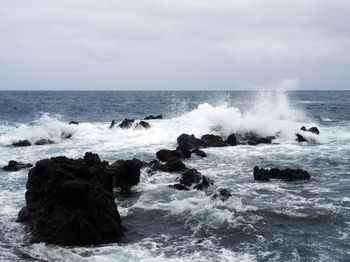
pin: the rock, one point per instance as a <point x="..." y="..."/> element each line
<point x="15" y="166"/>
<point x="212" y="141"/>
<point x="173" y="165"/>
<point x="71" y="202"/>
<point x="165" y="154"/>
<point x="92" y="159"/>
<point x="153" y="117"/>
<point x="73" y="123"/>
<point x="112" y="124"/>
<point x="126" y="173"/>
<point x="189" y="141"/>
<point x="22" y="143"/>
<point x="303" y="128"/>
<point x="300" y="138"/>
<point x="231" y="140"/>
<point x="127" y="123"/>
<point x="66" y="135"/>
<point x="192" y="178"/>
<point x="144" y="124"/>
<point x="179" y="187"/>
<point x="199" y="152"/>
<point x="43" y="142"/>
<point x="223" y="195"/>
<point x="284" y="174"/>
<point x="23" y="215"/>
<point x="314" y="130"/>
<point x="252" y="138"/>
<point x="184" y="150"/>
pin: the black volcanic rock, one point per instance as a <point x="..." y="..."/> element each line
<point x="165" y="154"/>
<point x="127" y="123"/>
<point x="71" y="202"/>
<point x="231" y="140"/>
<point x="199" y="152"/>
<point x="314" y="130"/>
<point x="300" y="138"/>
<point x="184" y="150"/>
<point x="173" y="165"/>
<point x="223" y="195"/>
<point x="192" y="178"/>
<point x="144" y="124"/>
<point x="112" y="124"/>
<point x="22" y="143"/>
<point x="73" y="123"/>
<point x="284" y="174"/>
<point x="252" y="138"/>
<point x="190" y="141"/>
<point x="211" y="140"/>
<point x="126" y="173"/>
<point x="153" y="117"/>
<point x="15" y="166"/>
<point x="43" y="142"/>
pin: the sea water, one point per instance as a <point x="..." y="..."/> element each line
<point x="262" y="221"/>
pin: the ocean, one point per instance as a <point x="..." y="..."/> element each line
<point x="262" y="221"/>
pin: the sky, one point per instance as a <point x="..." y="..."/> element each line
<point x="174" y="44"/>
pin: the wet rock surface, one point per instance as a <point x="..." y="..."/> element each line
<point x="150" y="117"/>
<point x="15" y="166"/>
<point x="284" y="174"/>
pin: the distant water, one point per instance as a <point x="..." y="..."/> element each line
<point x="269" y="221"/>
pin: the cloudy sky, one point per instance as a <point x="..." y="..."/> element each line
<point x="173" y="44"/>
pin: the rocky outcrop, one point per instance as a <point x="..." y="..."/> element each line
<point x="223" y="194"/>
<point x="211" y="140"/>
<point x="71" y="202"/>
<point x="312" y="130"/>
<point x="253" y="139"/>
<point x="284" y="174"/>
<point x="15" y="166"/>
<point x="173" y="165"/>
<point x="127" y="123"/>
<point x="126" y="173"/>
<point x="22" y="143"/>
<point x="43" y="142"/>
<point x="191" y="178"/>
<point x="165" y="154"/>
<point x="199" y="152"/>
<point x="231" y="140"/>
<point x="144" y="124"/>
<point x="153" y="117"/>
<point x="189" y="141"/>
<point x="73" y="123"/>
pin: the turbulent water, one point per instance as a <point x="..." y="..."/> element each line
<point x="263" y="221"/>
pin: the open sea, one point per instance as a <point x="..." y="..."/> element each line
<point x="262" y="221"/>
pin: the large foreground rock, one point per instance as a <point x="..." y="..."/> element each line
<point x="284" y="174"/>
<point x="71" y="202"/>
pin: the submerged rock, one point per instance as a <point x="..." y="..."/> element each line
<point x="153" y="117"/>
<point x="284" y="174"/>
<point x="22" y="143"/>
<point x="15" y="166"/>
<point x="66" y="135"/>
<point x="71" y="202"/>
<point x="173" y="165"/>
<point x="127" y="123"/>
<point x="43" y="142"/>
<point x="223" y="195"/>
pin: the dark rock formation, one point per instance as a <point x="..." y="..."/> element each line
<point x="179" y="187"/>
<point x="231" y="140"/>
<point x="284" y="174"/>
<point x="312" y="130"/>
<point x="153" y="117"/>
<point x="173" y="165"/>
<point x="184" y="150"/>
<point x="190" y="141"/>
<point x="192" y="178"/>
<point x="71" y="202"/>
<point x="199" y="152"/>
<point x="15" y="166"/>
<point x="211" y="140"/>
<point x="127" y="123"/>
<point x="300" y="138"/>
<point x="165" y="154"/>
<point x="112" y="124"/>
<point x="144" y="124"/>
<point x="43" y="142"/>
<point x="223" y="195"/>
<point x="126" y="173"/>
<point x="73" y="123"/>
<point x="252" y="138"/>
<point x="22" y="143"/>
<point x="66" y="135"/>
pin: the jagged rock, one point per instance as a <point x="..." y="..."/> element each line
<point x="165" y="154"/>
<point x="223" y="195"/>
<point x="112" y="124"/>
<point x="173" y="165"/>
<point x="314" y="130"/>
<point x="189" y="141"/>
<point x="22" y="143"/>
<point x="153" y="117"/>
<point x="284" y="174"/>
<point x="15" y="166"/>
<point x="199" y="152"/>
<point x="126" y="173"/>
<point x="184" y="150"/>
<point x="43" y="142"/>
<point x="231" y="140"/>
<point x="300" y="138"/>
<point x="144" y="124"/>
<point x="127" y="123"/>
<point x="211" y="140"/>
<point x="252" y="138"/>
<point x="73" y="123"/>
<point x="71" y="202"/>
<point x="192" y="178"/>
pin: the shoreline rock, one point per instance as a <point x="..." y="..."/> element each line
<point x="15" y="166"/>
<point x="284" y="174"/>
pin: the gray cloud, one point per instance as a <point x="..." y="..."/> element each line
<point x="163" y="44"/>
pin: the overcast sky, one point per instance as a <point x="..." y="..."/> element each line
<point x="173" y="44"/>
